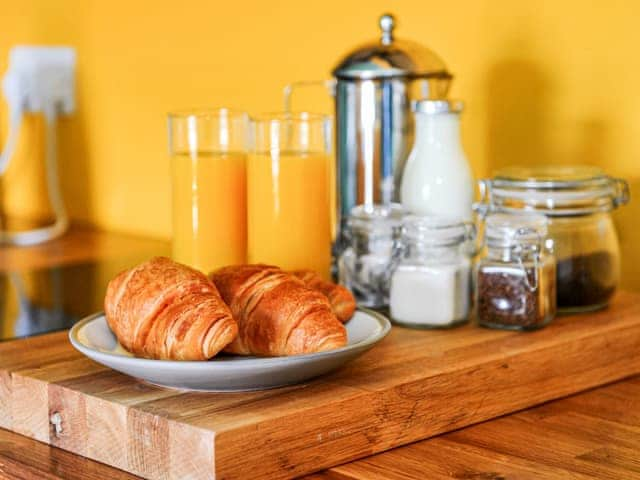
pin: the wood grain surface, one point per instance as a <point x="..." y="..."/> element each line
<point x="414" y="385"/>
<point x="591" y="435"/>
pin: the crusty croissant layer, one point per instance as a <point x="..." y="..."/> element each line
<point x="276" y="313"/>
<point x="342" y="301"/>
<point x="164" y="310"/>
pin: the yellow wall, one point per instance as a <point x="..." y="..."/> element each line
<point x="544" y="80"/>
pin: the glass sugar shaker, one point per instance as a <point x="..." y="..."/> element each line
<point x="373" y="235"/>
<point x="516" y="274"/>
<point x="431" y="284"/>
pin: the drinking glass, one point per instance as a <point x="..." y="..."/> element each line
<point x="208" y="170"/>
<point x="290" y="182"/>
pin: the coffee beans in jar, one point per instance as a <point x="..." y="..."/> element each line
<point x="515" y="277"/>
<point x="586" y="281"/>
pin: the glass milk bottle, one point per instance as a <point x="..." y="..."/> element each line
<point x="437" y="179"/>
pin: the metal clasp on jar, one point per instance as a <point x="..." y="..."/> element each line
<point x="622" y="193"/>
<point x="523" y="249"/>
<point x="483" y="206"/>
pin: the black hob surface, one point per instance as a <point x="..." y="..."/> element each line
<point x="40" y="301"/>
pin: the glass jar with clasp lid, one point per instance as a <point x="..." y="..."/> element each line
<point x="515" y="275"/>
<point x="577" y="201"/>
<point x="431" y="281"/>
<point x="373" y="235"/>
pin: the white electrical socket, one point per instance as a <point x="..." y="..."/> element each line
<point x="41" y="79"/>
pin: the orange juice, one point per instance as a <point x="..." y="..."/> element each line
<point x="209" y="209"/>
<point x="289" y="217"/>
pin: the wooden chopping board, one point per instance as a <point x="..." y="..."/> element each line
<point x="413" y="385"/>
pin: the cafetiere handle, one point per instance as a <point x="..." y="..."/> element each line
<point x="288" y="90"/>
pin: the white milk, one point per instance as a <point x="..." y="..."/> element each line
<point x="437" y="179"/>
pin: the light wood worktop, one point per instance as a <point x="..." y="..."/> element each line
<point x="595" y="434"/>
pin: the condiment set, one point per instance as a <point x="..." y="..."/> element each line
<point x="549" y="242"/>
<point x="549" y="245"/>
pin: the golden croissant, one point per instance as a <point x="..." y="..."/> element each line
<point x="164" y="310"/>
<point x="342" y="301"/>
<point x="276" y="313"/>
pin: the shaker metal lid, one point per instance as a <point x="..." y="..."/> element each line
<point x="435" y="107"/>
<point x="391" y="57"/>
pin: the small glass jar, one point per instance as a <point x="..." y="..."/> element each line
<point x="515" y="275"/>
<point x="372" y="233"/>
<point x="431" y="283"/>
<point x="577" y="201"/>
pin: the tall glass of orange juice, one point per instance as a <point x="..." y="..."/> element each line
<point x="289" y="175"/>
<point x="208" y="171"/>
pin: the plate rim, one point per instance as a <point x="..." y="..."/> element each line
<point x="382" y="320"/>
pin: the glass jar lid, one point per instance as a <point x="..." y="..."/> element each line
<point x="505" y="230"/>
<point x="436" y="231"/>
<point x="553" y="190"/>
<point x="391" y="57"/>
<point x="376" y="218"/>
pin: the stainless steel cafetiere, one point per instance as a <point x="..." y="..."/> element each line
<point x="373" y="87"/>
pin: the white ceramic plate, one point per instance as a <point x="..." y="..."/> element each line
<point x="93" y="337"/>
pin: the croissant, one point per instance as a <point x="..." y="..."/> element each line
<point x="342" y="301"/>
<point x="276" y="313"/>
<point x="164" y="310"/>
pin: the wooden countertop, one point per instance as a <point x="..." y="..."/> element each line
<point x="595" y="434"/>
<point x="592" y="435"/>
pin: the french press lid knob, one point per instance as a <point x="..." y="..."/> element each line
<point x="390" y="57"/>
<point x="387" y="24"/>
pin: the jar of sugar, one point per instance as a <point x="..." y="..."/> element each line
<point x="430" y="285"/>
<point x="373" y="236"/>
